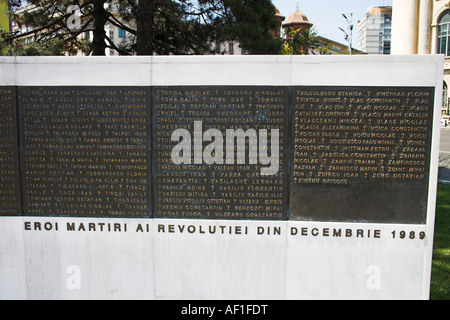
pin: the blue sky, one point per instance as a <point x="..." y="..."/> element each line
<point x="326" y="15"/>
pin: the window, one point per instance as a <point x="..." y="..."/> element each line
<point x="444" y="34"/>
<point x="121" y="33"/>
<point x="231" y="48"/>
<point x="387" y="47"/>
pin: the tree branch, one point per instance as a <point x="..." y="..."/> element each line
<point x="119" y="24"/>
<point x="113" y="46"/>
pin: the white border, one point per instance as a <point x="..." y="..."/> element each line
<point x="433" y="180"/>
<point x="408" y="70"/>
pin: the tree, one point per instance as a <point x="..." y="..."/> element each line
<point x="100" y="17"/>
<point x="185" y="27"/>
<point x="154" y="26"/>
<point x="48" y="24"/>
<point x="249" y="22"/>
<point x="191" y="26"/>
<point x="144" y="28"/>
<point x="301" y="41"/>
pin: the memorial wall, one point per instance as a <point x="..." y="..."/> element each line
<point x="310" y="177"/>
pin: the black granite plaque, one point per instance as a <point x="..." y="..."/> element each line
<point x="361" y="154"/>
<point x="10" y="200"/>
<point x="85" y="151"/>
<point x="197" y="170"/>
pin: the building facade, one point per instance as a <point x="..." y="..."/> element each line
<point x="423" y="27"/>
<point x="374" y="30"/>
<point x="118" y="36"/>
<point x="298" y="21"/>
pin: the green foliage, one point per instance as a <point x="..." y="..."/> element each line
<point x="53" y="47"/>
<point x="249" y="22"/>
<point x="180" y="27"/>
<point x="300" y="42"/>
<point x="440" y="275"/>
<point x="5" y="48"/>
<point x="49" y="47"/>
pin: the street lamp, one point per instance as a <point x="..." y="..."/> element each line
<point x="349" y="34"/>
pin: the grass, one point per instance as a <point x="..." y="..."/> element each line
<point x="440" y="274"/>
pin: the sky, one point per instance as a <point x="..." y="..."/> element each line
<point x="326" y="15"/>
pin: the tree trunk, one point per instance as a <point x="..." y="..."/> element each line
<point x="100" y="17"/>
<point x="144" y="19"/>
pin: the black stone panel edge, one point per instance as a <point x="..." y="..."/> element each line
<point x="290" y="141"/>
<point x="288" y="92"/>
<point x="20" y="150"/>
<point x="432" y="111"/>
<point x="290" y="88"/>
<point x="19" y="204"/>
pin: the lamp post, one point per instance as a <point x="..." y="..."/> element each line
<point x="349" y="34"/>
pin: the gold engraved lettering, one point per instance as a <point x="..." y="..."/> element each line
<point x="9" y="183"/>
<point x="376" y="131"/>
<point x="236" y="191"/>
<point x="87" y="150"/>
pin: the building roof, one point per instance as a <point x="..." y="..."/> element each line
<point x="296" y="18"/>
<point x="278" y="13"/>
<point x="337" y="46"/>
<point x="373" y="10"/>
